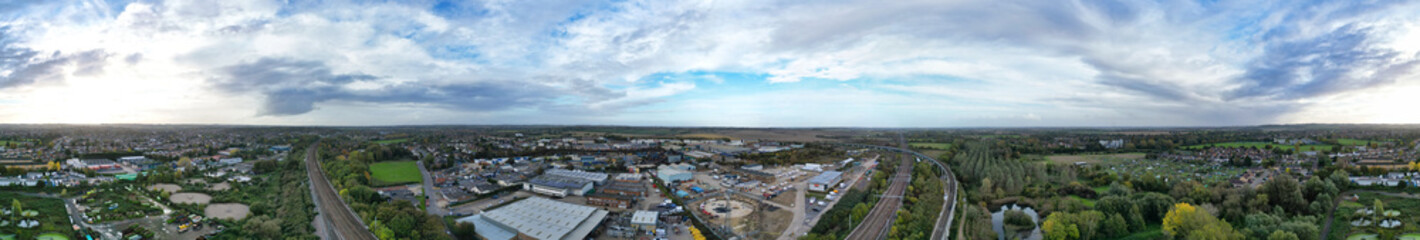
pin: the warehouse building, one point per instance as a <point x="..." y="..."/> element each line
<point x="558" y="186"/>
<point x="644" y="220"/>
<point x="537" y="218"/>
<point x="825" y="181"/>
<point x="594" y="177"/>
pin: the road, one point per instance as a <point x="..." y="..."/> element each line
<point x="431" y="204"/>
<point x="879" y="220"/>
<point x="810" y="219"/>
<point x="338" y="217"/>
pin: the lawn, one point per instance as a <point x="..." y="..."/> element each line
<point x="392" y="141"/>
<point x="924" y="145"/>
<point x="1088" y="202"/>
<point x="1358" y="142"/>
<point x="1261" y="145"/>
<point x="51" y="216"/>
<point x="394" y="173"/>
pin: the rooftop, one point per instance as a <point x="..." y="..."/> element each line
<point x="543" y="218"/>
<point x="826" y="177"/>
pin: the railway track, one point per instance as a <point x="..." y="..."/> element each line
<point x="339" y="219"/>
<point x="879" y="220"/>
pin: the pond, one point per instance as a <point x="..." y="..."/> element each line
<point x="998" y="223"/>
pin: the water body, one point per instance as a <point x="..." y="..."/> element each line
<point x="998" y="224"/>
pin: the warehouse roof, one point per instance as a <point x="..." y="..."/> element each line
<point x="644" y="218"/>
<point x="593" y="176"/>
<point x="546" y="219"/>
<point x="559" y="181"/>
<point x="827" y="177"/>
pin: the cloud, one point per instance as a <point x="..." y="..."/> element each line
<point x="1346" y="59"/>
<point x="21" y="66"/>
<point x="292" y="87"/>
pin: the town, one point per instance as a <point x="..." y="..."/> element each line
<point x="217" y="182"/>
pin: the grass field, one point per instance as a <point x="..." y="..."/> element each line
<point x="705" y="136"/>
<point x="1358" y="142"/>
<point x="392" y="141"/>
<point x="1261" y="145"/>
<point x="924" y="145"/>
<point x="394" y="173"/>
<point x="1088" y="202"/>
<point x="1092" y="158"/>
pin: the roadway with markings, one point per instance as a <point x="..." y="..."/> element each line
<point x="339" y="219"/>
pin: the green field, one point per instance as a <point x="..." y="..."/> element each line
<point x="1359" y="142"/>
<point x="394" y="173"/>
<point x="392" y="141"/>
<point x="942" y="146"/>
<point x="1261" y="145"/>
<point x="1088" y="202"/>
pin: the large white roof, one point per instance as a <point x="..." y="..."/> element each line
<point x="546" y="219"/>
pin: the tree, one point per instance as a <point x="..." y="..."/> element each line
<point x="1280" y="235"/>
<point x="465" y="231"/>
<point x="16" y="207"/>
<point x="1184" y="221"/>
<point x="1285" y="192"/>
<point x="1114" y="226"/>
<point x="1057" y="228"/>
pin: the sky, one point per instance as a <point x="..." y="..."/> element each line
<point x="751" y="63"/>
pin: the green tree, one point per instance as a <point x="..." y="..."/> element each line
<point x="1056" y="227"/>
<point x="465" y="231"/>
<point x="1115" y="226"/>
<point x="1280" y="235"/>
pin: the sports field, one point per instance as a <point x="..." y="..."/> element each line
<point x="393" y="173"/>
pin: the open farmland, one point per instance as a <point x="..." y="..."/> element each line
<point x="392" y="173"/>
<point x="1091" y="158"/>
<point x="392" y="141"/>
<point x="924" y="145"/>
<point x="1262" y="145"/>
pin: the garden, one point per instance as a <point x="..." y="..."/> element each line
<point x="114" y="204"/>
<point x="29" y="217"/>
<point x="1374" y="215"/>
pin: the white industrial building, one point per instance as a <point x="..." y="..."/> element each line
<point x="595" y="177"/>
<point x="558" y="186"/>
<point x="537" y="218"/>
<point x="644" y="220"/>
<point x="678" y="172"/>
<point x="825" y="181"/>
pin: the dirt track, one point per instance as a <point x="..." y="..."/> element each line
<point x="338" y="216"/>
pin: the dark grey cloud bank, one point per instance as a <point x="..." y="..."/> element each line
<point x="293" y="87"/>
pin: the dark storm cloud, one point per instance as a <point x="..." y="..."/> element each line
<point x="293" y="87"/>
<point x="1341" y="61"/>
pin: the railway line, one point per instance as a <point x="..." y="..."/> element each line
<point x="340" y="221"/>
<point x="885" y="211"/>
<point x="879" y="220"/>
